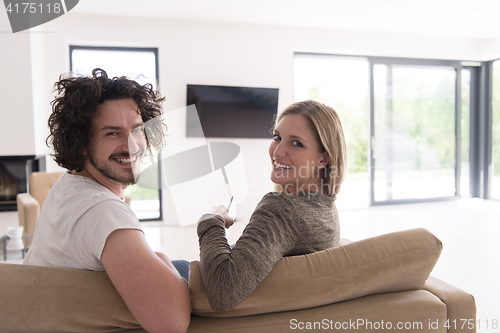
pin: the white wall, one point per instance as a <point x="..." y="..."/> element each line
<point x="16" y="136"/>
<point x="193" y="52"/>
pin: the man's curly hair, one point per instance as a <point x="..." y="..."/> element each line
<point x="75" y="106"/>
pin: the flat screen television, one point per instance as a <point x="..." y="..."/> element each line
<point x="232" y="112"/>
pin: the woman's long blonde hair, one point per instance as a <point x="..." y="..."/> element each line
<point x="326" y="124"/>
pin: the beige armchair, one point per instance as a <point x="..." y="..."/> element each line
<point x="29" y="204"/>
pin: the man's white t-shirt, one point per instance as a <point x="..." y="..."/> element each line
<point x="76" y="218"/>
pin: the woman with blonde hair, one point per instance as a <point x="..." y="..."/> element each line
<point x="326" y="125"/>
<point x="308" y="156"/>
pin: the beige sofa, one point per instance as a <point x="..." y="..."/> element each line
<point x="376" y="284"/>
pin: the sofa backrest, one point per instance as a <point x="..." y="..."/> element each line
<point x="389" y="263"/>
<point x="45" y="299"/>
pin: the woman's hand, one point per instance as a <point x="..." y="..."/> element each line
<point x="222" y="211"/>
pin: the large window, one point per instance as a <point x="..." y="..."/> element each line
<point x="406" y="123"/>
<point x="341" y="83"/>
<point x="140" y="64"/>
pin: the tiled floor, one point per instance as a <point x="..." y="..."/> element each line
<point x="469" y="230"/>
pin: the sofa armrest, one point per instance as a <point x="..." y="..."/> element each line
<point x="461" y="306"/>
<point x="28" y="210"/>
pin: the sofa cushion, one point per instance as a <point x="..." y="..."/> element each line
<point x="381" y="313"/>
<point x="389" y="263"/>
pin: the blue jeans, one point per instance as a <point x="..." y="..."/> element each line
<point x="182" y="267"/>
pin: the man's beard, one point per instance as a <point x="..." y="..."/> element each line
<point x="108" y="172"/>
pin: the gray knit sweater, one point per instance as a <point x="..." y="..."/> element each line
<point x="281" y="225"/>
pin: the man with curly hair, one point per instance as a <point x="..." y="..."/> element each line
<point x="98" y="130"/>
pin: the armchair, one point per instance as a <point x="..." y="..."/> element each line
<point x="29" y="204"/>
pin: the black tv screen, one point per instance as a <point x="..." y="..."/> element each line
<point x="232" y="112"/>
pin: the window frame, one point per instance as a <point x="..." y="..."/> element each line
<point x="153" y="50"/>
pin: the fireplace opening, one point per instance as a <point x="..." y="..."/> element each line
<point x="14" y="177"/>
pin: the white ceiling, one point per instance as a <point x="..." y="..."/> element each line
<point x="463" y="18"/>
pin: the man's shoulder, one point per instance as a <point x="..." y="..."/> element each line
<point x="82" y="193"/>
<point x="82" y="186"/>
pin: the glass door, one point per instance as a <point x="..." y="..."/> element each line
<point x="415" y="131"/>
